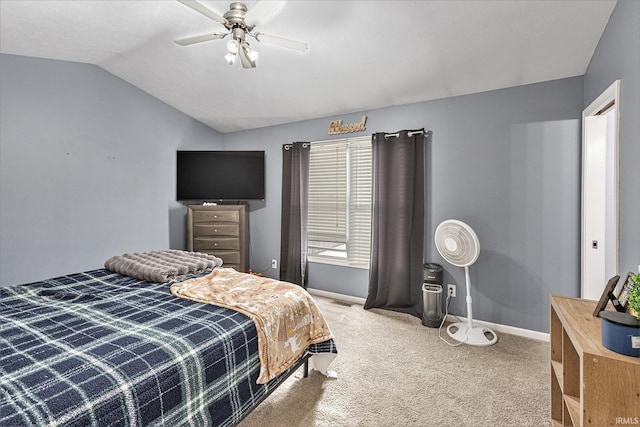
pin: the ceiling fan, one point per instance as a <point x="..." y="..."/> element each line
<point x="240" y="22"/>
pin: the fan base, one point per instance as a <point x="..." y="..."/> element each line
<point x="476" y="335"/>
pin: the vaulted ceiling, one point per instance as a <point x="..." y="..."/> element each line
<point x="362" y="55"/>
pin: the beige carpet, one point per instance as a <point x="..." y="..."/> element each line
<point x="392" y="371"/>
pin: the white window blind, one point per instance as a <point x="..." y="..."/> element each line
<point x="339" y="224"/>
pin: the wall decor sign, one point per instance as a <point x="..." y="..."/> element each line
<point x="336" y="126"/>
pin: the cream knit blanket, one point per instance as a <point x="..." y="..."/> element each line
<point x="286" y="316"/>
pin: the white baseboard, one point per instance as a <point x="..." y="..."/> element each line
<point x="512" y="330"/>
<point x="339" y="297"/>
<point x="527" y="333"/>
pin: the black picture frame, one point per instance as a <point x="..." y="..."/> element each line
<point x="623" y="296"/>
<point x="606" y="295"/>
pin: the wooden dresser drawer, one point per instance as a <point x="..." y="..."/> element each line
<point x="216" y="230"/>
<point x="210" y="243"/>
<point x="230" y="259"/>
<point x="215" y="216"/>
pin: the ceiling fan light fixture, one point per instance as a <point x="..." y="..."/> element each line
<point x="252" y="54"/>
<point x="246" y="60"/>
<point x="232" y="46"/>
<point x="231" y="58"/>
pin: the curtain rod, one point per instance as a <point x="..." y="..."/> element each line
<point x="386" y="135"/>
<point x="410" y="133"/>
<point x="335" y="140"/>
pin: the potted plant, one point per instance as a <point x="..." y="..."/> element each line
<point x="621" y="330"/>
<point x="634" y="295"/>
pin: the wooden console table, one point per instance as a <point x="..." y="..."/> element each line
<point x="590" y="384"/>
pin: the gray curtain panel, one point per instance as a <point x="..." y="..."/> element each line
<point x="295" y="190"/>
<point x="397" y="224"/>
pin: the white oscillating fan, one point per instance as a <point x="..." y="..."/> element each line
<point x="459" y="245"/>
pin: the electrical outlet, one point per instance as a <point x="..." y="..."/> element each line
<point x="451" y="290"/>
<point x="274" y="263"/>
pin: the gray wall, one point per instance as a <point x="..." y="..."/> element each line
<point x="87" y="168"/>
<point x="618" y="57"/>
<point x="507" y="162"/>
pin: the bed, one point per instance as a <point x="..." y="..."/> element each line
<point x="103" y="348"/>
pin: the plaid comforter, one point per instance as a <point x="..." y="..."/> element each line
<point x="99" y="348"/>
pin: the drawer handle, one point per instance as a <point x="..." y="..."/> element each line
<point x="215" y="244"/>
<point x="215" y="216"/>
<point x="215" y="230"/>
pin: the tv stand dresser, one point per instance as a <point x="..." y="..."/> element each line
<point x="590" y="384"/>
<point x="220" y="230"/>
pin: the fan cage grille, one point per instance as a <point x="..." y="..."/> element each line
<point x="457" y="243"/>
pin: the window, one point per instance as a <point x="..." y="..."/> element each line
<point x="339" y="224"/>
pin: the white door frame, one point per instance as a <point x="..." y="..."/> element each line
<point x="609" y="96"/>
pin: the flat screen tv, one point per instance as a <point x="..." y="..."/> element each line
<point x="220" y="175"/>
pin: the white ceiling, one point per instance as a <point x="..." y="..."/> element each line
<point x="363" y="54"/>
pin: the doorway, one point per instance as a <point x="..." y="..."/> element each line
<point x="599" y="242"/>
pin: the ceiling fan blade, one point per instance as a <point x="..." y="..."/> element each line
<point x="301" y="47"/>
<point x="200" y="8"/>
<point x="244" y="57"/>
<point x="261" y="10"/>
<point x="199" y="39"/>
